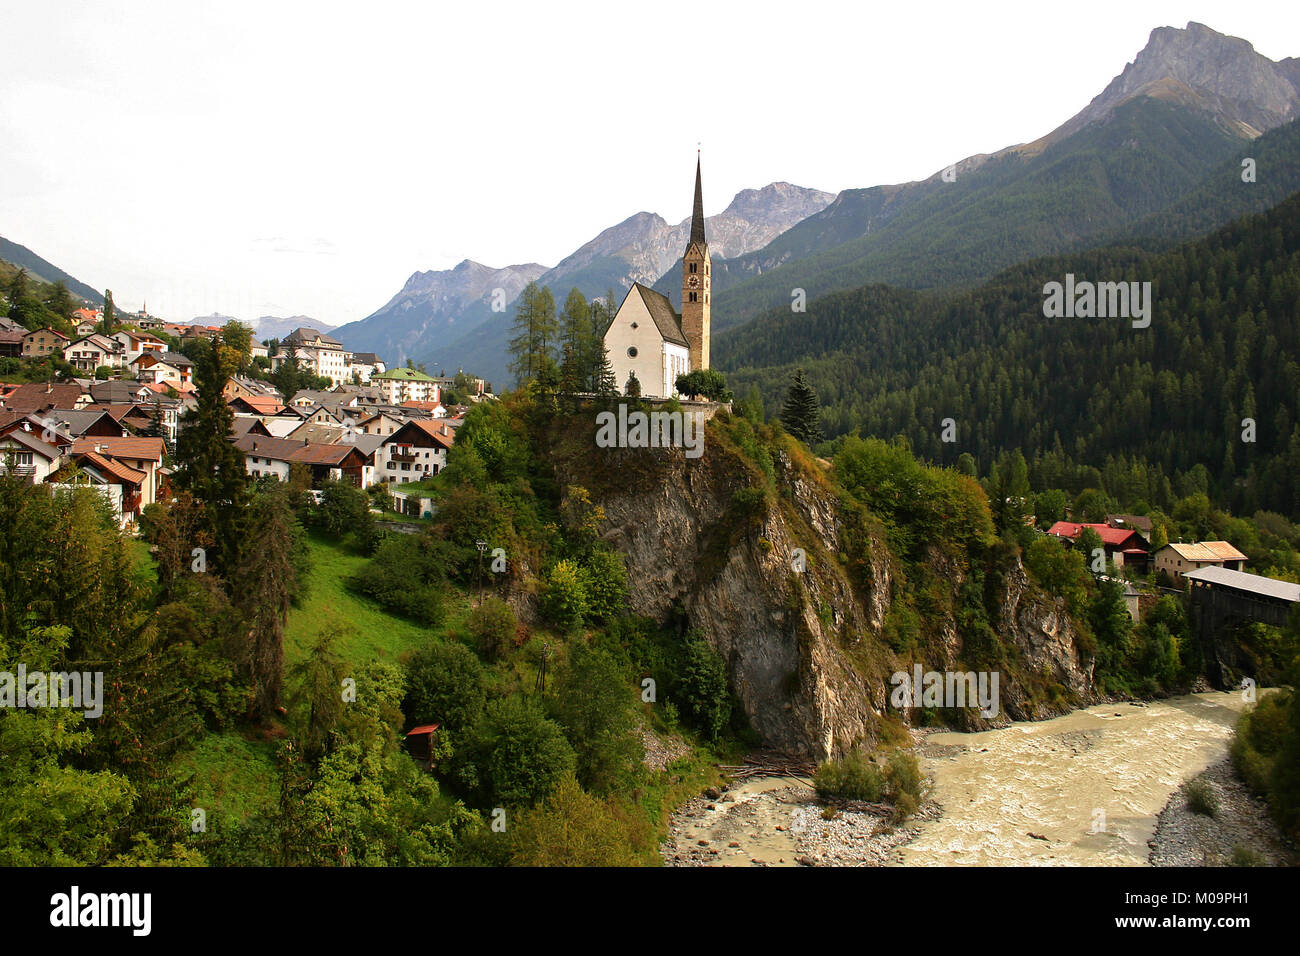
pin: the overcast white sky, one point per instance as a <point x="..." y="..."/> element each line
<point x="269" y="157"/>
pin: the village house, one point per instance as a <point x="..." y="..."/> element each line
<point x="139" y="454"/>
<point x="92" y="351"/>
<point x="43" y="342"/>
<point x="1178" y="558"/>
<point x="1122" y="546"/>
<point x="275" y="456"/>
<point x="38" y="396"/>
<point x="25" y="455"/>
<point x="162" y="367"/>
<point x="134" y="344"/>
<point x="365" y="365"/>
<point x="316" y="352"/>
<point x="415" y="451"/>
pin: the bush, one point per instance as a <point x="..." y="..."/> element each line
<point x="604" y="582"/>
<point x="564" y="602"/>
<point x="1201" y="798"/>
<point x="903" y="777"/>
<point x="515" y="756"/>
<point x="492" y="626"/>
<point x="406" y="577"/>
<point x="852" y="777"/>
<point x="444" y="684"/>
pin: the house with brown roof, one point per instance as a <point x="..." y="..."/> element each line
<point x="89" y="352"/>
<point x="1178" y="558"/>
<point x="43" y="342"/>
<point x="138" y="454"/>
<point x="120" y="484"/>
<point x="38" y="396"/>
<point x="25" y="455"/>
<point x="415" y="451"/>
<point x="275" y="456"/>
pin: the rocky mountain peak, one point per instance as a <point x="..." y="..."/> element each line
<point x="1246" y="91"/>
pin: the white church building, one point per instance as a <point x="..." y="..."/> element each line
<point x="648" y="337"/>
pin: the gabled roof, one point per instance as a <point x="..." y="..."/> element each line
<point x="303" y="335"/>
<point x="661" y="310"/>
<point x="113" y="469"/>
<point x="32" y="443"/>
<point x="435" y="429"/>
<point x="1244" y="581"/>
<point x="78" y="421"/>
<point x="1115" y="537"/>
<point x="1206" y="551"/>
<point x="144" y="449"/>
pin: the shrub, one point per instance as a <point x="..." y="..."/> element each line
<point x="852" y="777"/>
<point x="903" y="777"/>
<point x="405" y="576"/>
<point x="492" y="626"/>
<point x="564" y="602"/>
<point x="604" y="580"/>
<point x="515" y="756"/>
<point x="444" y="684"/>
<point x="1201" y="798"/>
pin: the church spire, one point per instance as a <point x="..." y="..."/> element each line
<point x="697" y="218"/>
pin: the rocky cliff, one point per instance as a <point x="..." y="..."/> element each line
<point x="806" y="650"/>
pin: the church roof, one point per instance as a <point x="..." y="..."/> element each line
<point x="697" y="217"/>
<point x="667" y="321"/>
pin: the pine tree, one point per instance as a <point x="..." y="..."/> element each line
<point x="534" y="333"/>
<point x="606" y="384"/>
<point x="211" y="467"/>
<point x="109" y="321"/>
<point x="801" y="414"/>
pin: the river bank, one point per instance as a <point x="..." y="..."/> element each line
<point x="1084" y="789"/>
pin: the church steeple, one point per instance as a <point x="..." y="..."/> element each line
<point x="697" y="281"/>
<point x="697" y="217"/>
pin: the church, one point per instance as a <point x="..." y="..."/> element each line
<point x="649" y="338"/>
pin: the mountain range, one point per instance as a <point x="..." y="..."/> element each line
<point x="1189" y="105"/>
<point x="38" y="268"/>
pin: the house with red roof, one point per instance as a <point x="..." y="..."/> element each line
<point x="1123" y="546"/>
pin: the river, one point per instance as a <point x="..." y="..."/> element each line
<point x="1081" y="789"/>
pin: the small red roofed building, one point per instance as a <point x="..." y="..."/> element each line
<point x="1123" y="546"/>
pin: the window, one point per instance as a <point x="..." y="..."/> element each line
<point x="23" y="457"/>
<point x="692" y="296"/>
<point x="631" y="352"/>
<point x="692" y="266"/>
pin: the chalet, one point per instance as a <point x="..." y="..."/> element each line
<point x="1139" y="523"/>
<point x="430" y="409"/>
<point x="247" y="425"/>
<point x="1123" y="546"/>
<point x="240" y="387"/>
<point x="415" y="451"/>
<point x="162" y="367"/>
<point x="25" y="455"/>
<point x="275" y="456"/>
<point x="77" y="423"/>
<point x="120" y="393"/>
<point x="88" y="353"/>
<point x="318" y="433"/>
<point x="43" y="342"/>
<point x="379" y="424"/>
<point x="1176" y="559"/>
<point x="139" y="454"/>
<point x="122" y="485"/>
<point x="86" y="317"/>
<point x="134" y="344"/>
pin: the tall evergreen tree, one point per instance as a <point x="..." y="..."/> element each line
<point x="801" y="414"/>
<point x="211" y="467"/>
<point x="107" y="325"/>
<point x="534" y="335"/>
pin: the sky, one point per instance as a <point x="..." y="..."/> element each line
<point x="277" y="158"/>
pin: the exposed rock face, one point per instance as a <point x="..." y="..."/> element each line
<point x="1249" y="93"/>
<point x="804" y="650"/>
